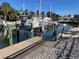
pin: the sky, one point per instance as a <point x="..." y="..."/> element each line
<point x="61" y="7"/>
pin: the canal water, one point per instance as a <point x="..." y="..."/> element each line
<point x="24" y="35"/>
<point x="50" y="33"/>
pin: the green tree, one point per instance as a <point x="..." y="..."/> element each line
<point x="9" y="12"/>
<point x="49" y="14"/>
<point x="1" y="12"/>
<point x="57" y="17"/>
<point x="52" y="15"/>
<point x="76" y="17"/>
<point x="26" y="12"/>
<point x="0" y="8"/>
<point x="5" y="7"/>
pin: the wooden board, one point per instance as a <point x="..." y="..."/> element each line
<point x="5" y="52"/>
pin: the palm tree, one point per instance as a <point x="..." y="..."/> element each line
<point x="76" y="17"/>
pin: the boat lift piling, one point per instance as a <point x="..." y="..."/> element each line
<point x="10" y="37"/>
<point x="17" y="29"/>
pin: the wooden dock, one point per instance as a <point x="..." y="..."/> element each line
<point x="5" y="52"/>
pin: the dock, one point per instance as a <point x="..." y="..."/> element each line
<point x="5" y="52"/>
<point x="37" y="48"/>
<point x="61" y="49"/>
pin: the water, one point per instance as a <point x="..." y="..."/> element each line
<point x="50" y="34"/>
<point x="3" y="43"/>
<point x="23" y="35"/>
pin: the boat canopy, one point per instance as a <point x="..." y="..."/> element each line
<point x="35" y="22"/>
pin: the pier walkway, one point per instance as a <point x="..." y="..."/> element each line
<point x="5" y="52"/>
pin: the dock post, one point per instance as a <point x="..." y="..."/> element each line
<point x="55" y="33"/>
<point x="18" y="40"/>
<point x="32" y="33"/>
<point x="64" y="25"/>
<point x="62" y="32"/>
<point x="10" y="36"/>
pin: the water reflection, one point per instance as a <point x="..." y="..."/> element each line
<point x="3" y="41"/>
<point x="50" y="34"/>
<point x="23" y="35"/>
